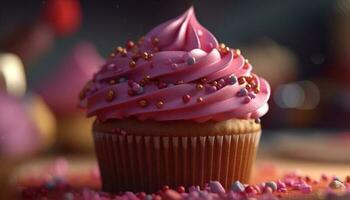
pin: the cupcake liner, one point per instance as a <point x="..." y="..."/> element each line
<point x="146" y="163"/>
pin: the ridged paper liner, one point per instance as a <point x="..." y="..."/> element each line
<point x="146" y="163"/>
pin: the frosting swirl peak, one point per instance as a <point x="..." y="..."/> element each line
<point x="178" y="71"/>
<point x="183" y="33"/>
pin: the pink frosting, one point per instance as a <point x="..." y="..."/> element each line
<point x="184" y="51"/>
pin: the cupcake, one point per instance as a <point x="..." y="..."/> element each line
<point x="175" y="108"/>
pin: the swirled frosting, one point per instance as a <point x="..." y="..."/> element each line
<point x="178" y="71"/>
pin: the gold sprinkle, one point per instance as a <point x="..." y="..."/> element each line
<point x="222" y="45"/>
<point x="241" y="80"/>
<point x="160" y="104"/>
<point x="249" y="79"/>
<point x="144" y="55"/>
<point x="225" y="50"/>
<point x="110" y="95"/>
<point x="147" y="78"/>
<point x="199" y="99"/>
<point x="155" y="41"/>
<point x="237" y="53"/>
<point x="203" y="80"/>
<point x="246" y="64"/>
<point x="143" y="103"/>
<point x="256" y="90"/>
<point x="180" y="82"/>
<point x="112" y="55"/>
<point x="199" y="87"/>
<point x="132" y="64"/>
<point x="248" y="87"/>
<point x="119" y="49"/>
<point x="124" y="52"/>
<point x="112" y="82"/>
<point x="215" y="83"/>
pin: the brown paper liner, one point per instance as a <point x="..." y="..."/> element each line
<point x="146" y="163"/>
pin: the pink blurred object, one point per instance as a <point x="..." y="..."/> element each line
<point x="60" y="90"/>
<point x="29" y="42"/>
<point x="58" y="168"/>
<point x="18" y="134"/>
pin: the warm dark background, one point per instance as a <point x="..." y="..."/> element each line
<point x="302" y="47"/>
<point x="302" y="35"/>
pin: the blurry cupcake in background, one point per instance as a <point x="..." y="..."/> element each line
<point x="60" y="91"/>
<point x="27" y="126"/>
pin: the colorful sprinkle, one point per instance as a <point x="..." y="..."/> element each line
<point x="123" y="53"/>
<point x="160" y="104"/>
<point x="246" y="64"/>
<point x="148" y="197"/>
<point x="112" y="82"/>
<point x="191" y="60"/>
<point x="180" y="82"/>
<point x="252" y="95"/>
<point x="199" y="87"/>
<point x="130" y="44"/>
<point x="272" y="185"/>
<point x="241" y="80"/>
<point x="237" y="53"/>
<point x="336" y="184"/>
<point x="119" y="49"/>
<point x="186" y="98"/>
<point x="222" y="81"/>
<point x="304" y="188"/>
<point x="256" y="90"/>
<point x="144" y="55"/>
<point x="122" y="79"/>
<point x="199" y="99"/>
<point x="212" y="88"/>
<point x="181" y="189"/>
<point x="143" y="103"/>
<point x="247" y="99"/>
<point x="204" y="80"/>
<point x="155" y="41"/>
<point x="110" y="95"/>
<point x="232" y="80"/>
<point x="132" y="64"/>
<point x="216" y="187"/>
<point x="249" y="189"/>
<point x="237" y="187"/>
<point x="242" y="92"/>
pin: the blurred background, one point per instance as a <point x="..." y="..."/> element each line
<point x="49" y="49"/>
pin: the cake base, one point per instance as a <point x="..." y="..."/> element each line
<point x="131" y="161"/>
